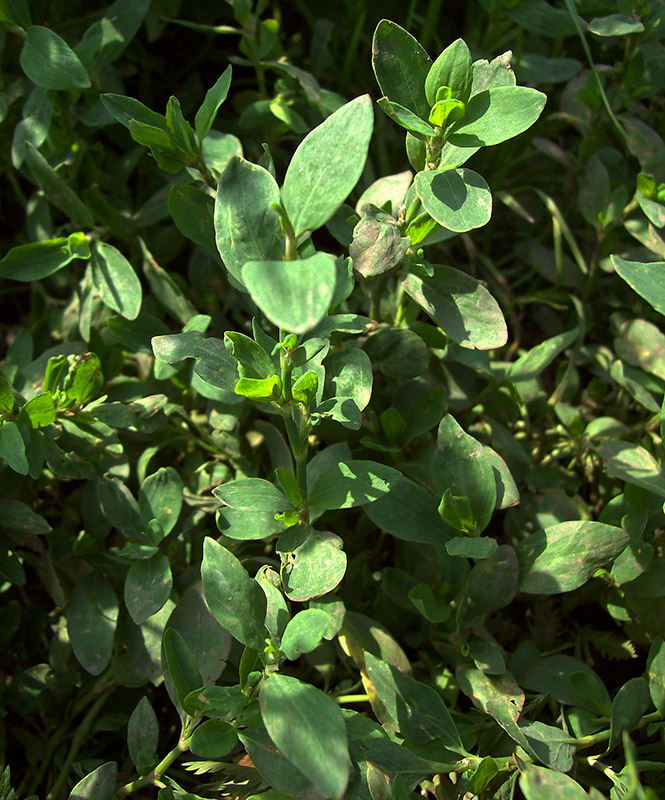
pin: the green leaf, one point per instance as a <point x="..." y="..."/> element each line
<point x="532" y="363"/>
<point x="458" y="199"/>
<point x="213" y="739"/>
<point x="125" y="109"/>
<point x="119" y="507"/>
<point x="7" y="401"/>
<point x="411" y="707"/>
<point x="494" y="115"/>
<point x="32" y="262"/>
<point x="260" y="389"/>
<point x="461" y="306"/>
<point x="564" y="556"/>
<point x="452" y="69"/>
<point x="40" y="410"/>
<point x="492" y="583"/>
<point x="181" y="131"/>
<point x="143" y="736"/>
<point x="648" y="280"/>
<point x="20" y="520"/>
<point x="161" y="498"/>
<point x="252" y="494"/>
<point x="313" y="562"/>
<point x="116" y="281"/>
<point x="461" y="466"/>
<point x="304" y="632"/>
<point x="236" y="523"/>
<point x="308" y="728"/>
<point x="147" y="587"/>
<point x="49" y="61"/>
<point x="213" y="362"/>
<point x="406" y="118"/>
<point x="401" y="66"/>
<point x="478" y="548"/>
<point x="104" y="41"/>
<point x="409" y="512"/>
<point x="98" y="784"/>
<point x="182" y="670"/>
<point x="294" y="295"/>
<point x="630" y="704"/>
<point x="91" y="618"/>
<point x="656" y="673"/>
<point x="327" y="165"/>
<point x="634" y="464"/>
<point x="496" y="695"/>
<point x="163" y="148"/>
<point x="615" y="25"/>
<point x="12" y="448"/>
<point x="539" y="783"/>
<point x="236" y="600"/>
<point x="214" y="98"/>
<point x="193" y="211"/>
<point x="58" y="192"/>
<point x="352" y="483"/>
<point x="275" y="769"/>
<point x="247" y="227"/>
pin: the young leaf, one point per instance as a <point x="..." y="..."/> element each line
<point x="461" y="306"/>
<point x="49" y="61"/>
<point x="91" y="617"/>
<point x="37" y="260"/>
<point x="327" y="165"/>
<point x="213" y="362"/>
<point x="462" y="467"/>
<point x="214" y="98"/>
<point x="236" y="601"/>
<point x="294" y="295"/>
<point x="308" y="728"/>
<point x="143" y="736"/>
<point x="247" y="227"/>
<point x="494" y="115"/>
<point x="125" y="109"/>
<point x="116" y="281"/>
<point x="352" y="483"/>
<point x="564" y="556"/>
<point x="458" y="199"/>
<point x="406" y="118"/>
<point x="452" y="69"/>
<point x="401" y="66"/>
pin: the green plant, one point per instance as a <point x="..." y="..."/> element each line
<point x="300" y="463"/>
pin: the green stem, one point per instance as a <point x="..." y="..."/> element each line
<point x="158" y="771"/>
<point x="80" y="735"/>
<point x="352" y="698"/>
<point x="576" y="20"/>
<point x="603" y="736"/>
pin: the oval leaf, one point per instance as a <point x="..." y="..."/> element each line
<point x="91" y="619"/>
<point x="294" y="295"/>
<point x="49" y="61"/>
<point x="308" y="728"/>
<point x="458" y="199"/>
<point x="327" y="165"/>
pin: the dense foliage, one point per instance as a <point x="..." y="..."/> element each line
<point x="331" y="410"/>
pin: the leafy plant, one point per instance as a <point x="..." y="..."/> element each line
<point x="284" y="435"/>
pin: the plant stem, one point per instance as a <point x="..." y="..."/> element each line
<point x="78" y="739"/>
<point x="158" y="771"/>
<point x="603" y="736"/>
<point x="352" y="698"/>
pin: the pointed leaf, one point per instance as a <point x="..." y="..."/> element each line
<point x="49" y="61"/>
